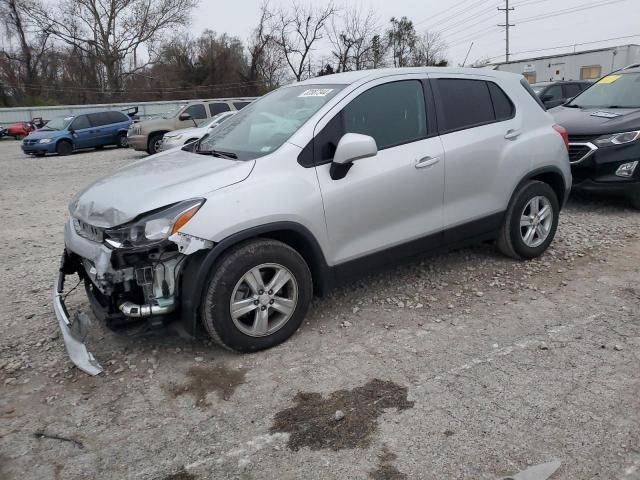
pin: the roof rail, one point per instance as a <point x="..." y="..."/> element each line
<point x="633" y="65"/>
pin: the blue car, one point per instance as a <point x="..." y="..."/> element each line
<point x="63" y="135"/>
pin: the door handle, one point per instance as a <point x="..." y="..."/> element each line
<point x="512" y="134"/>
<point x="427" y="162"/>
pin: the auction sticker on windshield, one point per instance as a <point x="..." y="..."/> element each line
<point x="316" y="92"/>
<point x="609" y="79"/>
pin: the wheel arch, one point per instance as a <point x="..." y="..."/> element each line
<point x="553" y="177"/>
<point x="64" y="139"/>
<point x="199" y="265"/>
<point x="150" y="135"/>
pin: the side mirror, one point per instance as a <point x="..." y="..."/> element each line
<point x="546" y="98"/>
<point x="351" y="147"/>
<point x="184" y="116"/>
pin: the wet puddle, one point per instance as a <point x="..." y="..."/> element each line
<point x="312" y="421"/>
<point x="204" y="380"/>
<point x="385" y="469"/>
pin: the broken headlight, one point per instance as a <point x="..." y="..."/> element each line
<point x="154" y="227"/>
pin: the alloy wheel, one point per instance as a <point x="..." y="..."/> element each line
<point x="264" y="300"/>
<point x="536" y="221"/>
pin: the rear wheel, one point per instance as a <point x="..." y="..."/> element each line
<point x="258" y="296"/>
<point x="531" y="221"/>
<point x="122" y="141"/>
<point x="155" y="141"/>
<point x="64" y="147"/>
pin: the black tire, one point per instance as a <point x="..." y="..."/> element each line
<point x="64" y="147"/>
<point x="152" y="146"/>
<point x="122" y="141"/>
<point x="511" y="242"/>
<point x="229" y="270"/>
<point x="39" y="154"/>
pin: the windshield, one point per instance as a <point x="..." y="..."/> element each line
<point x="263" y="126"/>
<point x="58" y="123"/>
<point x="612" y="91"/>
<point x="218" y="119"/>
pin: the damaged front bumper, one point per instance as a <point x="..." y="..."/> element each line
<point x="77" y="350"/>
<point x="123" y="286"/>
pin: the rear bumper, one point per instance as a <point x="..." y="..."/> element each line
<point x="73" y="341"/>
<point x="138" y="142"/>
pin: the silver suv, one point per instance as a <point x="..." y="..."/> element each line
<point x="306" y="186"/>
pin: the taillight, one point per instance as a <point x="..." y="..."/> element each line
<point x="563" y="133"/>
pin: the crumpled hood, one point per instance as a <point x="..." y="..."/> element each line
<point x="152" y="183"/>
<point x="582" y="121"/>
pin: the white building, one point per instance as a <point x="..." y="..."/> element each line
<point x="585" y="65"/>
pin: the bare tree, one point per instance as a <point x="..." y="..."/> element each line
<point x="266" y="58"/>
<point x="298" y="32"/>
<point x="402" y="41"/>
<point x="113" y="30"/>
<point x="430" y="50"/>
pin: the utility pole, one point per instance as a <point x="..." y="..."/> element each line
<point x="506" y="25"/>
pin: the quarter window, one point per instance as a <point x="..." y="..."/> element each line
<point x="197" y="112"/>
<point x="393" y="114"/>
<point x="463" y="104"/>
<point x="502" y="106"/>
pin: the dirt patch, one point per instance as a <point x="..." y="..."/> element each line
<point x="386" y="470"/>
<point x="204" y="380"/>
<point x="313" y="422"/>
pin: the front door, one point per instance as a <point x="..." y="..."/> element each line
<point x="82" y="136"/>
<point x="396" y="196"/>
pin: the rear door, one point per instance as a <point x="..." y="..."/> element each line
<point x="396" y="196"/>
<point x="82" y="136"/>
<point x="100" y="131"/>
<point x="478" y="127"/>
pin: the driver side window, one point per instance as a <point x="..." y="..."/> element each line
<point x="392" y="113"/>
<point x="80" y="122"/>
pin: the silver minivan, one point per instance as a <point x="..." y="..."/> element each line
<point x="312" y="183"/>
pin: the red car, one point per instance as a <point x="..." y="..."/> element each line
<point x="22" y="129"/>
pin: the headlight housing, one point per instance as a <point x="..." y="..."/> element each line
<point x="45" y="140"/>
<point x="154" y="227"/>
<point x="617" y="138"/>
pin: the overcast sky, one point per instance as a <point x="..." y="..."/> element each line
<point x="464" y="21"/>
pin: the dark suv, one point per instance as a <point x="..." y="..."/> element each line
<point x="604" y="135"/>
<point x="553" y="94"/>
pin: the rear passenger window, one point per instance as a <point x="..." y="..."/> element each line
<point x="392" y="113"/>
<point x="98" y="119"/>
<point x="240" y="105"/>
<point x="216" y="108"/>
<point x="117" y="117"/>
<point x="502" y="106"/>
<point x="463" y="104"/>
<point x="197" y="112"/>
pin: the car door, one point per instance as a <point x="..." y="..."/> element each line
<point x="396" y="196"/>
<point x="99" y="131"/>
<point x="81" y="132"/>
<point x="478" y="127"/>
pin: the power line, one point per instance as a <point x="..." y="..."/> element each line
<point x="455" y="15"/>
<point x="441" y="12"/>
<point x="568" y="11"/>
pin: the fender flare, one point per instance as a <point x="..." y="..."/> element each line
<point x="540" y="171"/>
<point x="200" y="265"/>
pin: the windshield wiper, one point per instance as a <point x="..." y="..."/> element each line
<point x="573" y="105"/>
<point x="218" y="153"/>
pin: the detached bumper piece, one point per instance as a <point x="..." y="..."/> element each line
<point x="73" y="341"/>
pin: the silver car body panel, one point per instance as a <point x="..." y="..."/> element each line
<point x="404" y="193"/>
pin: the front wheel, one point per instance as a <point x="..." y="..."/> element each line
<point x="531" y="221"/>
<point x="64" y="147"/>
<point x="155" y="142"/>
<point x="257" y="296"/>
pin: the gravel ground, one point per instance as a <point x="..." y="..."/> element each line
<point x="466" y="365"/>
